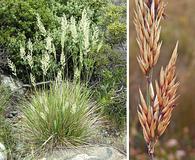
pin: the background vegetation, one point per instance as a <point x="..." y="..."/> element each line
<point x="178" y="141"/>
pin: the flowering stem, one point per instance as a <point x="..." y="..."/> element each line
<point x="149" y="80"/>
<point x="151" y="156"/>
<point x="151" y="150"/>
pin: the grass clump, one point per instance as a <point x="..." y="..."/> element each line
<point x="62" y="116"/>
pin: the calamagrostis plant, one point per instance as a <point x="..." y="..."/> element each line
<point x="155" y="111"/>
<point x="63" y="116"/>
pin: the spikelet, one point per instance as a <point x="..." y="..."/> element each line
<point x="22" y="53"/>
<point x="73" y="29"/>
<point x="32" y="80"/>
<point x="59" y="76"/>
<point x="30" y="61"/>
<point x="155" y="118"/>
<point x="30" y="46"/>
<point x="41" y="26"/>
<point x="12" y="66"/>
<point x="45" y="63"/>
<point x="148" y="15"/>
<point x="48" y="45"/>
<point x="54" y="51"/>
<point x="64" y="27"/>
<point x="85" y="29"/>
<point x="62" y="59"/>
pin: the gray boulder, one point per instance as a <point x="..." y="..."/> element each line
<point x="3" y="155"/>
<point x="13" y="84"/>
<point x="88" y="153"/>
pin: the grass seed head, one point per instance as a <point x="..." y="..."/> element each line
<point x="147" y="23"/>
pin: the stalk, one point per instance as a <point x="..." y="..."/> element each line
<point x="151" y="156"/>
<point x="148" y="81"/>
<point x="149" y="104"/>
<point x="151" y="150"/>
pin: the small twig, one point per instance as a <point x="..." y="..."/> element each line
<point x="118" y="91"/>
<point x="36" y="84"/>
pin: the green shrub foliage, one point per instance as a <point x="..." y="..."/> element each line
<point x="110" y="68"/>
<point x="18" y="20"/>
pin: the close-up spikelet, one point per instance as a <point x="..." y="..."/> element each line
<point x="155" y="110"/>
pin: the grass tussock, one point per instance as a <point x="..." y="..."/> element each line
<point x="63" y="116"/>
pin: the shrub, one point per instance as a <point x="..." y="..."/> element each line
<point x="75" y="8"/>
<point x="110" y="67"/>
<point x="18" y="20"/>
<point x="64" y="115"/>
<point x="113" y="22"/>
<point x="110" y="87"/>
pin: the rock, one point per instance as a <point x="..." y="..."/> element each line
<point x="84" y="157"/>
<point x="13" y="84"/>
<point x="17" y="92"/>
<point x="87" y="153"/>
<point x="3" y="155"/>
